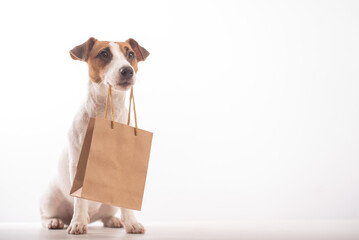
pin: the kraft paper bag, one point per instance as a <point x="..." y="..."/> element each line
<point x="113" y="162"/>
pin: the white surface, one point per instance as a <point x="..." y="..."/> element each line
<point x="253" y="104"/>
<point x="298" y="230"/>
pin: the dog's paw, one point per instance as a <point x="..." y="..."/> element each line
<point x="133" y="227"/>
<point x="55" y="223"/>
<point x="112" y="222"/>
<point x="77" y="227"/>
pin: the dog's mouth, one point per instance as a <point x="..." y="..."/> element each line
<point x="123" y="85"/>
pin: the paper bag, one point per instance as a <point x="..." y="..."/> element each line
<point x="113" y="162"/>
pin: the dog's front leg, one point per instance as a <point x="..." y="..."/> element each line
<point x="80" y="217"/>
<point x="129" y="221"/>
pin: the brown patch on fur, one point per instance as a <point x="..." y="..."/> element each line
<point x="96" y="65"/>
<point x="123" y="46"/>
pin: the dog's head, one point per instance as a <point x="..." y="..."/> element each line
<point x="113" y="63"/>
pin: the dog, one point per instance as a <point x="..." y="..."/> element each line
<point x="109" y="63"/>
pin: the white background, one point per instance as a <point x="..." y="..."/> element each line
<point x="253" y="104"/>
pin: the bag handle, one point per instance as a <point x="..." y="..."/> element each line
<point x="109" y="96"/>
<point x="132" y="99"/>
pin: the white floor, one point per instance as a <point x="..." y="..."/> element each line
<point x="288" y="230"/>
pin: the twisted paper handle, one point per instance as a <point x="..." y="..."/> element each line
<point x="132" y="99"/>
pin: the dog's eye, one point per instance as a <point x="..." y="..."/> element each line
<point x="131" y="55"/>
<point x="104" y="54"/>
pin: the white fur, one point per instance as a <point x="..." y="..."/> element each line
<point x="57" y="207"/>
<point x="111" y="72"/>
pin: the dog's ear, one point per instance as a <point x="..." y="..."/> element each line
<point x="82" y="52"/>
<point x="140" y="52"/>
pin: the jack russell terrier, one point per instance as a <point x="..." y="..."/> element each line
<point x="109" y="63"/>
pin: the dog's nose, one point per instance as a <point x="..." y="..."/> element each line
<point x="126" y="73"/>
